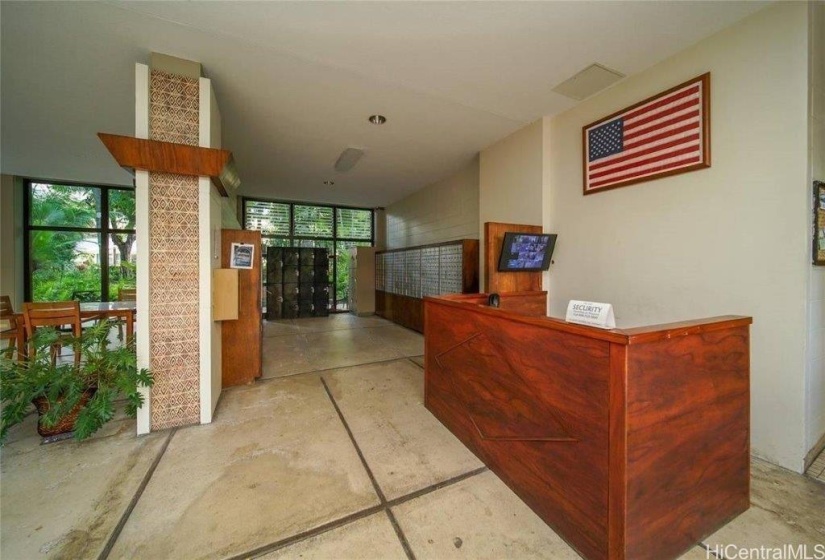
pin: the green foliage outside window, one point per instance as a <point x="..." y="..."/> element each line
<point x="62" y="261"/>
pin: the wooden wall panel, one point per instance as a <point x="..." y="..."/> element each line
<point x="502" y="282"/>
<point x="241" y="339"/>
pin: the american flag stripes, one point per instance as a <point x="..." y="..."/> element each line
<point x="664" y="135"/>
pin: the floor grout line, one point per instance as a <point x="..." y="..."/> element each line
<point x="110" y="543"/>
<point x="320" y="530"/>
<point x="356" y="516"/>
<point x="434" y="487"/>
<point x="410" y="358"/>
<point x="326" y="370"/>
<point x="400" y="534"/>
<point x="375" y="485"/>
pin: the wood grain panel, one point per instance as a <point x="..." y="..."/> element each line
<point x="630" y="444"/>
<point x="180" y="159"/>
<point x="564" y="481"/>
<point x="688" y="439"/>
<point x="531" y="304"/>
<point x="241" y="339"/>
<point x="502" y="282"/>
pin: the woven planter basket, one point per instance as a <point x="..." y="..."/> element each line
<point x="65" y="424"/>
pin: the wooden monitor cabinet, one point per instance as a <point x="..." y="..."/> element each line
<point x="631" y="444"/>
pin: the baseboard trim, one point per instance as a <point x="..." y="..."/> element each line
<point x="811" y="456"/>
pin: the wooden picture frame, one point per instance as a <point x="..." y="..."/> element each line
<point x="818" y="240"/>
<point x="663" y="135"/>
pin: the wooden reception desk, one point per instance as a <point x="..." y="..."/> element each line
<point x="631" y="444"/>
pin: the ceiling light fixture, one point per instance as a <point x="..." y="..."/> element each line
<point x="377" y="119"/>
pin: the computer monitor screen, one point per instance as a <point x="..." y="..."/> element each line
<point x="526" y="252"/>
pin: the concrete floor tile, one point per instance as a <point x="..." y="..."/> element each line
<point x="418" y="360"/>
<point x="343" y="348"/>
<point x="477" y="518"/>
<point x="404" y="341"/>
<point x="338" y="321"/>
<point x="366" y="539"/>
<point x="697" y="553"/>
<point x="406" y="447"/>
<point x="758" y="527"/>
<point x="285" y="355"/>
<point x="798" y="501"/>
<point x="63" y="500"/>
<point x="275" y="462"/>
<point x="280" y="328"/>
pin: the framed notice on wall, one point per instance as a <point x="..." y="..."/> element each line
<point x="819" y="223"/>
<point x="663" y="135"/>
<point x="242" y="255"/>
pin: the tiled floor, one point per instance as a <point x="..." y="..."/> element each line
<point x="332" y="456"/>
<point x="817" y="468"/>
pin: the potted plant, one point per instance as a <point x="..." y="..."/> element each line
<point x="71" y="397"/>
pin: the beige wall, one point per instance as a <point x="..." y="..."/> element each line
<point x="732" y="239"/>
<point x="510" y="182"/>
<point x="11" y="239"/>
<point x="442" y="211"/>
<point x="815" y="377"/>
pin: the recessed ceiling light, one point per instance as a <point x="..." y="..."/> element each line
<point x="377" y="119"/>
<point x="330" y="183"/>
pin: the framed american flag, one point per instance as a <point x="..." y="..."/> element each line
<point x="663" y="135"/>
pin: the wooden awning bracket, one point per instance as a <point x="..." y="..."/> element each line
<point x="169" y="157"/>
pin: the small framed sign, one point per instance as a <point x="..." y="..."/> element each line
<point x="819" y="223"/>
<point x="591" y="313"/>
<point x="242" y="255"/>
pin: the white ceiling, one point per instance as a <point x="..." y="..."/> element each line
<point x="296" y="81"/>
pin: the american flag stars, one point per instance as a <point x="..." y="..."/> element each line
<point x="606" y="140"/>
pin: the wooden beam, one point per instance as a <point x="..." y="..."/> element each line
<point x="168" y="157"/>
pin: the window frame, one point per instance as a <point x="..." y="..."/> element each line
<point x="103" y="231"/>
<point x="292" y="238"/>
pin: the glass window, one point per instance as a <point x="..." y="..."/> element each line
<point x="331" y="227"/>
<point x="72" y="252"/>
<point x="64" y="265"/>
<point x="64" y="206"/>
<point x="313" y="221"/>
<point x="352" y="223"/>
<point x="270" y="218"/>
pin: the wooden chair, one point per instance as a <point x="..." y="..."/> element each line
<point x="8" y="325"/>
<point x="55" y="314"/>
<point x="125" y="294"/>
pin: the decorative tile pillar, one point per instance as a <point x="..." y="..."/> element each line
<point x="174" y="340"/>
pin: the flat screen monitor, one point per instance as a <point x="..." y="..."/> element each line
<point x="526" y="252"/>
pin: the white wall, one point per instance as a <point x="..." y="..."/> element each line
<point x="442" y="211"/>
<point x="510" y="182"/>
<point x="815" y="376"/>
<point x="11" y="239"/>
<point x="732" y="239"/>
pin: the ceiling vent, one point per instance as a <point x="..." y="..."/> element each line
<point x="348" y="159"/>
<point x="591" y="80"/>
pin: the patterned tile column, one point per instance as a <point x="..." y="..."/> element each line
<point x="173" y="259"/>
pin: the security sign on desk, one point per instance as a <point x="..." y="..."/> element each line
<point x="591" y="313"/>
